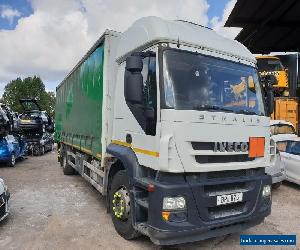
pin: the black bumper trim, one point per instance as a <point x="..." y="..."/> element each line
<point x="160" y="237"/>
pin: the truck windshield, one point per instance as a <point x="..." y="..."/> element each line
<point x="269" y="64"/>
<point x="197" y="82"/>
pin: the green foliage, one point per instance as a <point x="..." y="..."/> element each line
<point x="30" y="87"/>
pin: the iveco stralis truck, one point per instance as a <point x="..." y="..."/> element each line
<point x="168" y="121"/>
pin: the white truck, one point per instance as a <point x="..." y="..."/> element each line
<point x="168" y="121"/>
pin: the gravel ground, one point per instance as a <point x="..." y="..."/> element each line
<point x="53" y="211"/>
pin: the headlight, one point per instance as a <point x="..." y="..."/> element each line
<point x="266" y="191"/>
<point x="174" y="203"/>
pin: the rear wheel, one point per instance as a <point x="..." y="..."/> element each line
<point x="12" y="161"/>
<point x="121" y="206"/>
<point x="67" y="169"/>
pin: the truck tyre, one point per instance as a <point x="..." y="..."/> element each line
<point x="121" y="206"/>
<point x="42" y="150"/>
<point x="12" y="160"/>
<point x="67" y="169"/>
<point x="276" y="185"/>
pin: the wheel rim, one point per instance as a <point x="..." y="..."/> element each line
<point x="121" y="204"/>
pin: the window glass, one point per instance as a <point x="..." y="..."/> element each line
<point x="294" y="147"/>
<point x="150" y="92"/>
<point x="198" y="82"/>
<point x="269" y="64"/>
<point x="281" y="146"/>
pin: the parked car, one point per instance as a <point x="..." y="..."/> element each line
<point x="12" y="119"/>
<point x="12" y="147"/>
<point x="5" y="127"/>
<point x="33" y="118"/>
<point x="280" y="130"/>
<point x="39" y="144"/>
<point x="290" y="156"/>
<point x="4" y="200"/>
<point x="276" y="170"/>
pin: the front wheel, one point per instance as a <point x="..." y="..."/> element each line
<point x="121" y="206"/>
<point x="276" y="185"/>
<point x="12" y="161"/>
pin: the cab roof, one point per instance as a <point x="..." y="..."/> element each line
<point x="149" y="30"/>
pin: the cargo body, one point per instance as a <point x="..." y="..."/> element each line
<point x="170" y="167"/>
<point x="287" y="109"/>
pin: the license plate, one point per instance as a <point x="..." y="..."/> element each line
<point x="229" y="198"/>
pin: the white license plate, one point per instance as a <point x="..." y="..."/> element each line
<point x="229" y="198"/>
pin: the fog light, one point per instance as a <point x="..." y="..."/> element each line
<point x="174" y="203"/>
<point x="266" y="191"/>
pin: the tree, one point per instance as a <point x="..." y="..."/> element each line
<point x="30" y="87"/>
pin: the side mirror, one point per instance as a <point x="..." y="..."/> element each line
<point x="133" y="82"/>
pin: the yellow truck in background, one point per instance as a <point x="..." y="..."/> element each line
<point x="271" y="65"/>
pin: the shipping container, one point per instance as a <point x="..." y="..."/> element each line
<point x="287" y="109"/>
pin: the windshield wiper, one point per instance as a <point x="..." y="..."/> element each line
<point x="247" y="112"/>
<point x="211" y="107"/>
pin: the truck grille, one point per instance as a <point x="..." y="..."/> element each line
<point x="222" y="158"/>
<point x="205" y="154"/>
<point x="226" y="182"/>
<point x="226" y="210"/>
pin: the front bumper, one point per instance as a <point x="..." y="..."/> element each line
<point x="278" y="177"/>
<point x="204" y="218"/>
<point x="161" y="237"/>
<point x="4" y="205"/>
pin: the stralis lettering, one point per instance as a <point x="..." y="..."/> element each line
<point x="231" y="146"/>
<point x="230" y="119"/>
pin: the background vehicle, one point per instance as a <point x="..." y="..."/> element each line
<point x="33" y="118"/>
<point x="286" y="108"/>
<point x="4" y="200"/>
<point x="5" y="127"/>
<point x="39" y="144"/>
<point x="276" y="169"/>
<point x="282" y="130"/>
<point x="177" y="162"/>
<point x="271" y="65"/>
<point x="12" y="147"/>
<point x="290" y="155"/>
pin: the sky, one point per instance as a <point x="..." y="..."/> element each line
<point x="48" y="37"/>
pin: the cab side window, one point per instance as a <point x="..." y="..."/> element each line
<point x="150" y="94"/>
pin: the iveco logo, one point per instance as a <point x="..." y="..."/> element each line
<point x="231" y="146"/>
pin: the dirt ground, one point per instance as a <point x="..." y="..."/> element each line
<point x="53" y="211"/>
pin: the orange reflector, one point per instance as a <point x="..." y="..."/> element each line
<point x="165" y="215"/>
<point x="151" y="188"/>
<point x="256" y="147"/>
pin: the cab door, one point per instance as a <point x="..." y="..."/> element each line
<point x="136" y="125"/>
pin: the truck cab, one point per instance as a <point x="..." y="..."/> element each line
<point x="189" y="106"/>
